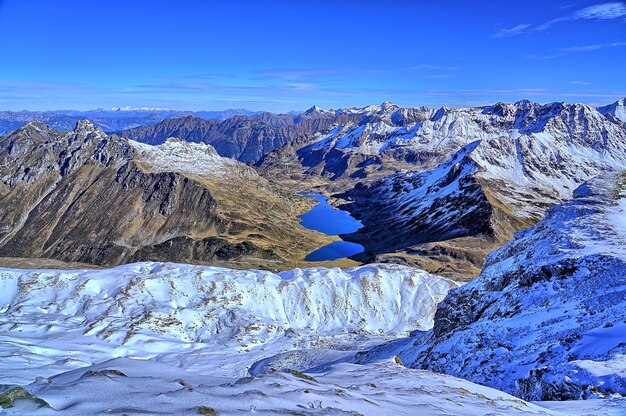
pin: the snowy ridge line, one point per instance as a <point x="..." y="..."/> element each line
<point x="545" y="318"/>
<point x="183" y="157"/>
<point x="527" y="142"/>
<point x="195" y="303"/>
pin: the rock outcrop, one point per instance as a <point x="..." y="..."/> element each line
<point x="545" y="318"/>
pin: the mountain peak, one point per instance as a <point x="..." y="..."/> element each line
<point x="388" y="105"/>
<point x="85" y="125"/>
<point x="179" y="156"/>
<point x="174" y="144"/>
<point x="35" y="128"/>
<point x="440" y="113"/>
<point x="617" y="110"/>
<point x="524" y="104"/>
<point x="36" y="125"/>
<point x="313" y="110"/>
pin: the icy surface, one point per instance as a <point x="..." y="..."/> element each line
<point x="123" y="386"/>
<point x="545" y="319"/>
<point x="202" y="317"/>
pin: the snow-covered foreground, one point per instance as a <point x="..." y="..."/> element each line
<point x="123" y="386"/>
<point x="155" y="338"/>
<point x="202" y="318"/>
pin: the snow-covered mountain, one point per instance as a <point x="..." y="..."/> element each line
<point x="617" y="110"/>
<point x="385" y="137"/>
<point x="545" y="318"/>
<point x="85" y="196"/>
<point x="505" y="165"/>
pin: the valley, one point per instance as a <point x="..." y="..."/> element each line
<point x="287" y="208"/>
<point x="378" y="258"/>
<point x="438" y="189"/>
<point x="337" y="341"/>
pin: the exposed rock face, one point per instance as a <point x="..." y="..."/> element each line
<point x="545" y="318"/>
<point x="249" y="138"/>
<point x="84" y="196"/>
<point x="446" y="219"/>
<point x="246" y="138"/>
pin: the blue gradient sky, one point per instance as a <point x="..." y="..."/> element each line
<point x="289" y="55"/>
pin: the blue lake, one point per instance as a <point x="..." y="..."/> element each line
<point x="324" y="218"/>
<point x="335" y="250"/>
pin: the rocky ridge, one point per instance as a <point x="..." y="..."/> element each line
<point x="85" y="196"/>
<point x="544" y="319"/>
<point x="448" y="218"/>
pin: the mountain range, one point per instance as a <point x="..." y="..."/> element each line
<point x="435" y="188"/>
<point x="111" y="120"/>
<point x="85" y="196"/>
<point x="442" y="192"/>
<point x="529" y="198"/>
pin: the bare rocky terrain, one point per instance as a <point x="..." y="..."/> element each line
<point x="85" y="196"/>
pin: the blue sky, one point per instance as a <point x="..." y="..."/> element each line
<point x="289" y="55"/>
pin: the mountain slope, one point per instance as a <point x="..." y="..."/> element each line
<point x="545" y="318"/>
<point x="84" y="196"/>
<point x="448" y="218"/>
<point x="246" y="138"/>
<point x="205" y="319"/>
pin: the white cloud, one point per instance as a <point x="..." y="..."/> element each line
<point x="514" y="31"/>
<point x="557" y="53"/>
<point x="604" y="11"/>
<point x="587" y="48"/>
